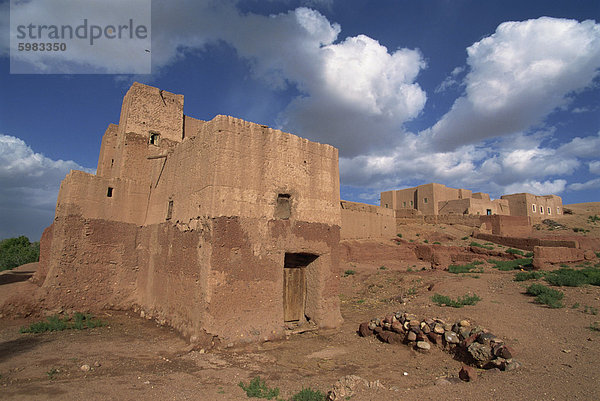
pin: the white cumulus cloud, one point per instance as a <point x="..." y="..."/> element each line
<point x="518" y="76"/>
<point x="29" y="183"/>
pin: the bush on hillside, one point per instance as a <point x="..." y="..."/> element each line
<point x="18" y="251"/>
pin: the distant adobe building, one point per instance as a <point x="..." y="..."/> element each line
<point x="437" y="199"/>
<point x="221" y="228"/>
<point x="525" y="204"/>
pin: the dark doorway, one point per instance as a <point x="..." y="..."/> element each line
<point x="294" y="285"/>
<point x="489" y="212"/>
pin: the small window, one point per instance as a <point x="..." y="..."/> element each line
<point x="170" y="210"/>
<point x="533" y="207"/>
<point x="154" y="138"/>
<point x="411" y="203"/>
<point x="109" y="193"/>
<point x="386" y="206"/>
<point x="557" y="210"/>
<point x="541" y="209"/>
<point x="549" y="212"/>
<point x="425" y="200"/>
<point x="112" y="162"/>
<point x="488" y="212"/>
<point x="283" y="209"/>
<point x="403" y="204"/>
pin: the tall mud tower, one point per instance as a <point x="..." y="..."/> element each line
<point x="220" y="228"/>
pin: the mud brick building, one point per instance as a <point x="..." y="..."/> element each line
<point x="224" y="228"/>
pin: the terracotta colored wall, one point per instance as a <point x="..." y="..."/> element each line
<point x="521" y="205"/>
<point x="148" y="109"/>
<point x="514" y="226"/>
<point x="106" y="160"/>
<point x="362" y="221"/>
<point x="86" y="195"/>
<point x="526" y="243"/>
<point x="473" y="206"/>
<point x="243" y="168"/>
<point x="544" y="255"/>
<point x="216" y="266"/>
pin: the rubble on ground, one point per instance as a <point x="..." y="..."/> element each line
<point x="474" y="345"/>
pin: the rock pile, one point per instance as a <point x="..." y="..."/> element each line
<point x="473" y="344"/>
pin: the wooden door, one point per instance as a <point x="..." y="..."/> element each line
<point x="294" y="293"/>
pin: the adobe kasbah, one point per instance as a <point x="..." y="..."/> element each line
<point x="232" y="232"/>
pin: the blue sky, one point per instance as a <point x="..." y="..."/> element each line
<point x="493" y="96"/>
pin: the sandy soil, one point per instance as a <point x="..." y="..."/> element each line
<point x="132" y="358"/>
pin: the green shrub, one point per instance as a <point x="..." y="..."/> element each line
<point x="349" y="272"/>
<point x="464" y="238"/>
<point x="477" y="244"/>
<point x="79" y="321"/>
<point x="443" y="300"/>
<point x="399" y="235"/>
<point x="595" y="326"/>
<point x="574" y="278"/>
<point x="426" y="241"/>
<point x="546" y="296"/>
<point x="529" y="255"/>
<point x="507" y="265"/>
<point x="515" y="251"/>
<point x="258" y="389"/>
<point x="15" y="252"/>
<point x="51" y="373"/>
<point x="437" y="243"/>
<point x="456" y="269"/>
<point x="594" y="219"/>
<point x="307" y="394"/>
<point x="382" y="267"/>
<point x="524" y="276"/>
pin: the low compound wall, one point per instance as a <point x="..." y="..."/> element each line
<point x="543" y="256"/>
<point x="362" y="221"/>
<point x="526" y="243"/>
<point x="514" y="226"/>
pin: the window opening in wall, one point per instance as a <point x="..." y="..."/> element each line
<point x="411" y="203"/>
<point x="170" y="210"/>
<point x="557" y="210"/>
<point x="549" y="211"/>
<point x="283" y="209"/>
<point x="533" y="207"/>
<point x="112" y="162"/>
<point x="109" y="192"/>
<point x="386" y="206"/>
<point x="488" y="212"/>
<point x="403" y="204"/>
<point x="154" y="138"/>
<point x="541" y="209"/>
<point x="425" y="200"/>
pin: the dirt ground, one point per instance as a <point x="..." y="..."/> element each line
<point x="133" y="358"/>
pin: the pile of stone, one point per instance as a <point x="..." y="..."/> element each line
<point x="472" y="344"/>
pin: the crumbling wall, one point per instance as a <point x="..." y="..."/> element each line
<point x="106" y="160"/>
<point x="244" y="168"/>
<point x="92" y="264"/>
<point x="362" y="221"/>
<point x="147" y="109"/>
<point x="543" y="256"/>
<point x="186" y="228"/>
<point x="526" y="243"/>
<point x="512" y="226"/>
<point x="101" y="198"/>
